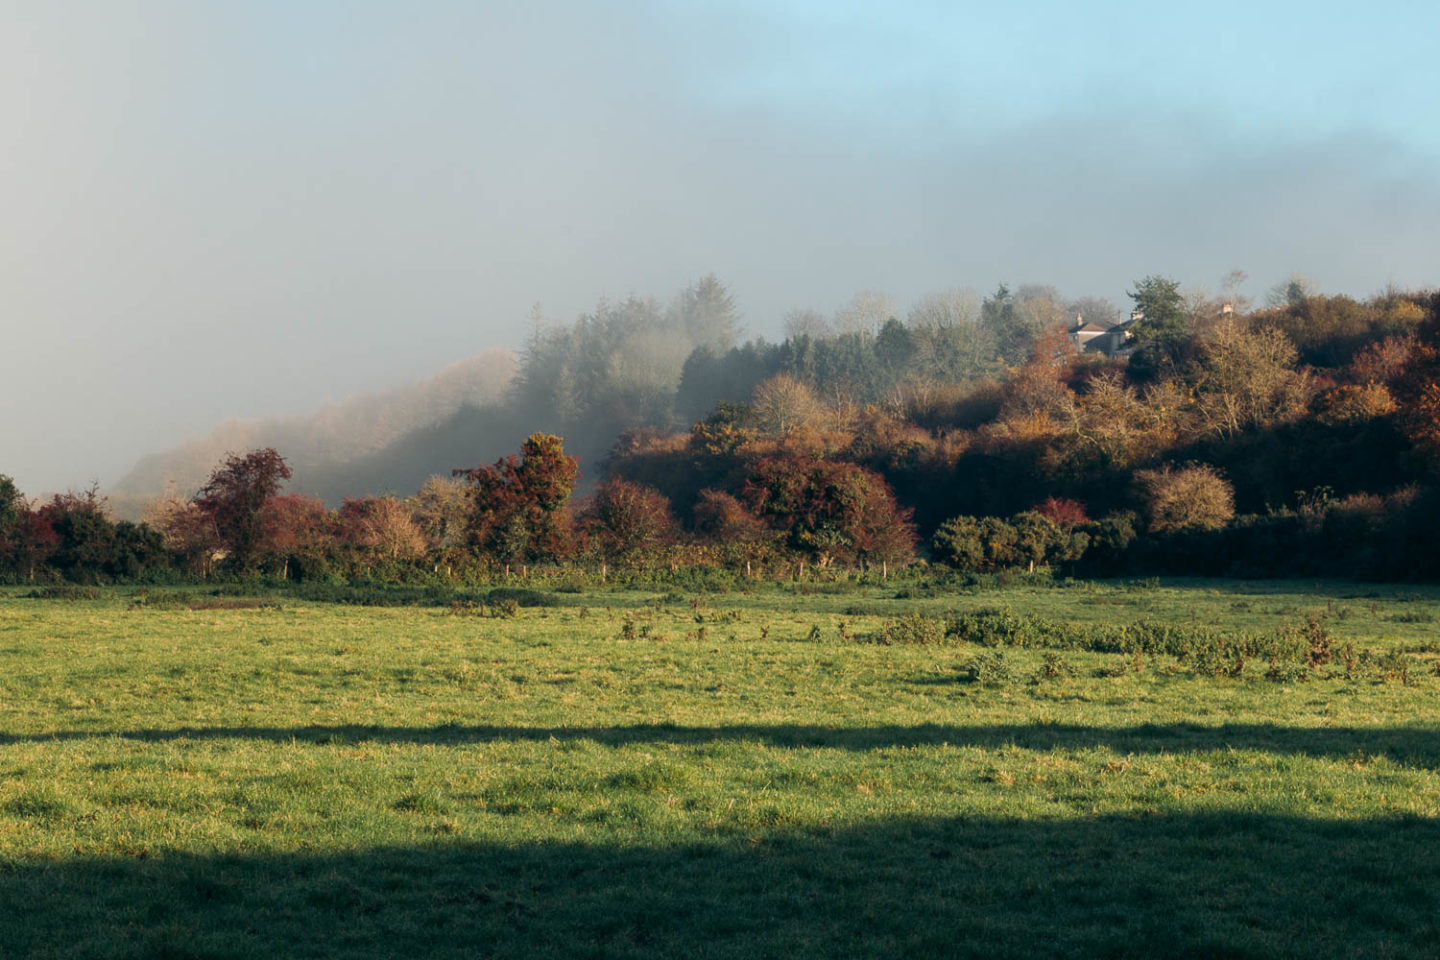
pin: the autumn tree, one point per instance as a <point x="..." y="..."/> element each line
<point x="1383" y="362"/>
<point x="1246" y="378"/>
<point x="784" y="405"/>
<point x="721" y="518"/>
<point x="1189" y="498"/>
<point x="625" y="518"/>
<point x="84" y="536"/>
<point x="1038" y="389"/>
<point x="831" y="510"/>
<point x="1065" y="512"/>
<point x="295" y="527"/>
<point x="33" y="541"/>
<point x="188" y="533"/>
<point x="234" y="500"/>
<point x="1014" y="319"/>
<point x="381" y="527"/>
<point x="442" y="508"/>
<point x="518" y="503"/>
<point x="1417" y="388"/>
<point x="1110" y="427"/>
<point x="1355" y="403"/>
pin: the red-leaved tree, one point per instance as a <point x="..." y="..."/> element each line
<point x="295" y="526"/>
<point x="626" y="518"/>
<point x="1065" y="512"/>
<point x="832" y="510"/>
<point x="721" y="518"/>
<point x="518" y="503"/>
<point x="234" y="500"/>
<point x="381" y="527"/>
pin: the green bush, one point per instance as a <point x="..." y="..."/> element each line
<point x="914" y="628"/>
<point x="990" y="667"/>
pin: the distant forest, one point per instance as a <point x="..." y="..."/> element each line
<point x="976" y="434"/>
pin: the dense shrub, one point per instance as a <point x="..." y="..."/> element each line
<point x="834" y="511"/>
<point x="625" y="518"/>
<point x="1188" y="498"/>
<point x="989" y="667"/>
<point x="915" y="628"/>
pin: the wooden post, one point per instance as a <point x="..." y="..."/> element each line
<point x="507" y="571"/>
<point x="748" y="574"/>
<point x="602" y="572"/>
<point x="884" y="569"/>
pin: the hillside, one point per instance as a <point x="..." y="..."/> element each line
<point x="318" y="445"/>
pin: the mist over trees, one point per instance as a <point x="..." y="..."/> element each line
<point x="330" y="449"/>
<point x="978" y="433"/>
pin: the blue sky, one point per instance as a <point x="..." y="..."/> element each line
<point x="244" y="208"/>
<point x="1304" y="70"/>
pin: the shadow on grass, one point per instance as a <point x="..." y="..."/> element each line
<point x="1201" y="886"/>
<point x="1412" y="746"/>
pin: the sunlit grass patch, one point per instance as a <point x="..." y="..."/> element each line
<point x="312" y="779"/>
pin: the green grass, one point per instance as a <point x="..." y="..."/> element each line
<point x="304" y="779"/>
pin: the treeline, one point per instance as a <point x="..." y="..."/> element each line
<point x="1298" y="439"/>
<point x="475" y="525"/>
<point x="641" y="363"/>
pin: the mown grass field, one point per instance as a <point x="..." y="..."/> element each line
<point x="728" y="775"/>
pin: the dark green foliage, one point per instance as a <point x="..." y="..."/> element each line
<point x="11" y="505"/>
<point x="708" y="379"/>
<point x="959" y="544"/>
<point x="997" y="318"/>
<point x="1162" y="334"/>
<point x="1028" y="540"/>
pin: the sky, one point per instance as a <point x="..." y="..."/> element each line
<point x="248" y="208"/>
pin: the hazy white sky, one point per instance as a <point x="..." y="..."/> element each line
<point x="215" y="209"/>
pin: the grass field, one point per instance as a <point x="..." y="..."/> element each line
<point x="639" y="774"/>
